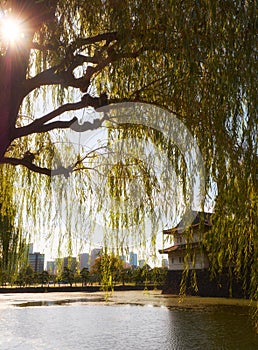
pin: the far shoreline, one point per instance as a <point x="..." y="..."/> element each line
<point x="135" y="295"/>
<point x="72" y="289"/>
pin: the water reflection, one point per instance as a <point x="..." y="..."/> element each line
<point x="90" y="323"/>
<point x="216" y="327"/>
<point x="58" y="302"/>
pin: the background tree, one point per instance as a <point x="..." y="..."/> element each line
<point x="142" y="275"/>
<point x="68" y="275"/>
<point x="29" y="276"/>
<point x="44" y="278"/>
<point x="109" y="268"/>
<point x="197" y="59"/>
<point x="25" y="276"/>
<point x="85" y="276"/>
<point x="126" y="275"/>
<point x="158" y="276"/>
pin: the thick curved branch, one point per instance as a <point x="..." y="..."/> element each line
<point x="28" y="164"/>
<point x="39" y="125"/>
<point x="66" y="171"/>
<point x="62" y="74"/>
<point x="50" y="76"/>
<point x="72" y="124"/>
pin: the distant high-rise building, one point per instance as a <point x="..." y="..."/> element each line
<point x="84" y="260"/>
<point x="95" y="253"/>
<point x="133" y="259"/>
<point x="36" y="261"/>
<point x="70" y="262"/>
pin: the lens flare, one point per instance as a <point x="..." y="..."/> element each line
<point x="11" y="30"/>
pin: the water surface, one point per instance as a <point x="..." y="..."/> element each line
<point x="90" y="323"/>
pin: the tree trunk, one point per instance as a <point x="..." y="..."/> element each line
<point x="13" y="73"/>
<point x="13" y="65"/>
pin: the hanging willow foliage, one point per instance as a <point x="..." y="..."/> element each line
<point x="12" y="242"/>
<point x="196" y="59"/>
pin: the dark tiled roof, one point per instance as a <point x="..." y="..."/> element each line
<point x="197" y="217"/>
<point x="179" y="247"/>
<point x="168" y="250"/>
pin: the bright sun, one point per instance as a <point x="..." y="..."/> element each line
<point x="11" y="29"/>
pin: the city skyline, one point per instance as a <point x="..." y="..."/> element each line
<point x="84" y="259"/>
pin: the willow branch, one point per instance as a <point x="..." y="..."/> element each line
<point x="108" y="37"/>
<point x="62" y="74"/>
<point x="82" y="42"/>
<point x="45" y="171"/>
<point x="50" y="76"/>
<point x="39" y="125"/>
<point x="35" y="168"/>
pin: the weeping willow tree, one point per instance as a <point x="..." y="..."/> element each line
<point x="12" y="244"/>
<point x="195" y="59"/>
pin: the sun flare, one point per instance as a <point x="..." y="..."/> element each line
<point x="11" y="30"/>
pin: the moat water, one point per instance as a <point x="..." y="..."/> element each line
<point x="84" y="323"/>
